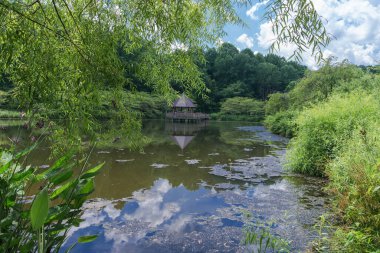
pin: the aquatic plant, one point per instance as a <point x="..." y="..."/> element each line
<point x="41" y="223"/>
<point x="260" y="239"/>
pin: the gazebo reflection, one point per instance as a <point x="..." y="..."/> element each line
<point x="183" y="133"/>
<point x="182" y="141"/>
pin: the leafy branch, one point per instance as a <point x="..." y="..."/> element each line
<point x="296" y="22"/>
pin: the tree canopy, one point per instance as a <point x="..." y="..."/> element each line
<point x="61" y="54"/>
<point x="230" y="73"/>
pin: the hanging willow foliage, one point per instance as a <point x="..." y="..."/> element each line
<point x="296" y="22"/>
<point x="61" y="54"/>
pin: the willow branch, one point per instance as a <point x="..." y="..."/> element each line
<point x="80" y="51"/>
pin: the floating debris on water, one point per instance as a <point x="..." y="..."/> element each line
<point x="247" y="149"/>
<point x="192" y="161"/>
<point x="159" y="165"/>
<point x="214" y="154"/>
<point x="44" y="166"/>
<point x="225" y="186"/>
<point x="103" y="152"/>
<point x="124" y="161"/>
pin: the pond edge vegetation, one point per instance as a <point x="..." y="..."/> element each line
<point x="333" y="115"/>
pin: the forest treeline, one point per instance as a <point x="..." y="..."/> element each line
<point x="229" y="73"/>
<point x="236" y="83"/>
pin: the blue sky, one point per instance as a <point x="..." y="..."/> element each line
<point x="355" y="25"/>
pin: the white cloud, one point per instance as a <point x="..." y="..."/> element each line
<point x="252" y="11"/>
<point x="245" y="40"/>
<point x="353" y="24"/>
<point x="152" y="208"/>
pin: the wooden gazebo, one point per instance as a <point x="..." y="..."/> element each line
<point x="184" y="109"/>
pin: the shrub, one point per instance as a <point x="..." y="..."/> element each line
<point x="355" y="181"/>
<point x="277" y="102"/>
<point x="282" y="123"/>
<point x="317" y="86"/>
<point x="323" y="130"/>
<point x="367" y="82"/>
<point x="241" y="108"/>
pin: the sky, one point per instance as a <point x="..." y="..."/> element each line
<point x="354" y="24"/>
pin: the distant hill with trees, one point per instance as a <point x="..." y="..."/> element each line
<point x="229" y="73"/>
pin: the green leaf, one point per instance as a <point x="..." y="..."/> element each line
<point x="60" y="163"/>
<point x="71" y="247"/>
<point x="61" y="189"/>
<point x="39" y="210"/>
<point x="92" y="172"/>
<point x="65" y="175"/>
<point x="87" y="187"/>
<point x="23" y="175"/>
<point x="25" y="151"/>
<point x="87" y="238"/>
<point x="5" y="167"/>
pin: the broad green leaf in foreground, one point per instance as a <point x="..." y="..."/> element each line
<point x="39" y="210"/>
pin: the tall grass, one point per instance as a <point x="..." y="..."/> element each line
<point x="325" y="129"/>
<point x="355" y="181"/>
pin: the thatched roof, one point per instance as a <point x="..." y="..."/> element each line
<point x="184" y="101"/>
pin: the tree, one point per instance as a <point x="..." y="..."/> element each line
<point x="316" y="86"/>
<point x="61" y="54"/>
<point x="268" y="78"/>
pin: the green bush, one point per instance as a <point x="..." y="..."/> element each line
<point x="324" y="129"/>
<point x="277" y="102"/>
<point x="367" y="82"/>
<point x="355" y="181"/>
<point x="241" y="108"/>
<point x="282" y="123"/>
<point x="317" y="86"/>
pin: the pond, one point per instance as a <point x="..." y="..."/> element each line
<point x="190" y="190"/>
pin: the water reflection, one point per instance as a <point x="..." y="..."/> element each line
<point x="146" y="214"/>
<point x="189" y="194"/>
<point x="184" y="133"/>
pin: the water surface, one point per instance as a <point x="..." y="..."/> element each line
<point x="190" y="189"/>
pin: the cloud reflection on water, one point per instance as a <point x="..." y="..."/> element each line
<point x="161" y="207"/>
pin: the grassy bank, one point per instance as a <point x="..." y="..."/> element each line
<point x="334" y="116"/>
